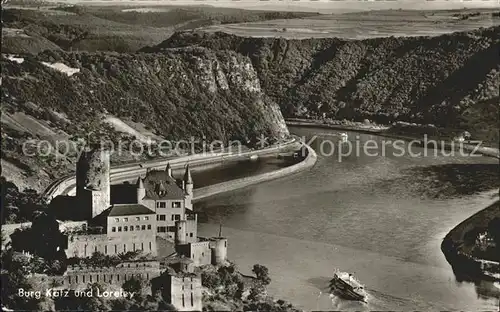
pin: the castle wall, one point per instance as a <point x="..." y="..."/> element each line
<point x="78" y="278"/>
<point x="83" y="246"/>
<point x="131" y="226"/>
<point x="199" y="252"/>
<point x="186" y="293"/>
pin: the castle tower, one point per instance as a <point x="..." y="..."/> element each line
<point x="188" y="188"/>
<point x="180" y="232"/>
<point x="169" y="170"/>
<point x="141" y="191"/>
<point x="219" y="250"/>
<point x="92" y="181"/>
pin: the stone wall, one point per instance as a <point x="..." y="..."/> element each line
<point x="78" y="278"/>
<point x="85" y="245"/>
<point x="186" y="293"/>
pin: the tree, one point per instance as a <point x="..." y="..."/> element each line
<point x="134" y="285"/>
<point x="262" y="274"/>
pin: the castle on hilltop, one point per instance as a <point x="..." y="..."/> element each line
<point x="162" y="208"/>
<point x="162" y="211"/>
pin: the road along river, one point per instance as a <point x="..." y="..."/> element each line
<point x="382" y="218"/>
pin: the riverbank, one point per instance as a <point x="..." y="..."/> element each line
<point x="391" y="132"/>
<point x="457" y="253"/>
<point x="308" y="161"/>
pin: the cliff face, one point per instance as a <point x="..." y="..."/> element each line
<point x="177" y="95"/>
<point x="450" y="80"/>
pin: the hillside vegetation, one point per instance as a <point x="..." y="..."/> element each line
<point x="449" y="81"/>
<point x="177" y="95"/>
<point x="98" y="28"/>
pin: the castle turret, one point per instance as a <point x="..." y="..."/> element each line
<point x="188" y="181"/>
<point x="92" y="181"/>
<point x="188" y="188"/>
<point x="219" y="250"/>
<point x="169" y="170"/>
<point x="180" y="232"/>
<point x="141" y="191"/>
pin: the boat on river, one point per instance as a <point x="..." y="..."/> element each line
<point x="345" y="286"/>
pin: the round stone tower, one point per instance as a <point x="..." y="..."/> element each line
<point x="219" y="250"/>
<point x="180" y="232"/>
<point x="92" y="181"/>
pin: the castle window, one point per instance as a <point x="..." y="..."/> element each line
<point x="124" y="247"/>
<point x="104" y="277"/>
<point x="147" y="276"/>
<point x="146" y="218"/>
<point x="225" y="243"/>
<point x="110" y="278"/>
<point x="143" y="227"/>
<point x="162" y="229"/>
<point x="149" y="245"/>
<point x="162" y="205"/>
<point x="137" y="228"/>
<point x="149" y="226"/>
<point x="83" y="279"/>
<point x="142" y="246"/>
<point x="137" y="218"/>
<point x="162" y="218"/>
<point x="125" y="228"/>
<point x="95" y="249"/>
<point x="131" y="228"/>
<point x="116" y="249"/>
<point x="176" y="204"/>
<point x="91" y="278"/>
<point x="125" y="219"/>
<point x="117" y="219"/>
<point x="97" y="277"/>
<point x="183" y="304"/>
<point x="190" y="234"/>
<point x="117" y="277"/>
<point x="76" y="279"/>
<point x="113" y="229"/>
<point x="203" y="254"/>
<point x="106" y="249"/>
<point x="177" y="217"/>
<point x="192" y="299"/>
<point x="133" y="247"/>
<point x="119" y="229"/>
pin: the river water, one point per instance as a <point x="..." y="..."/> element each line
<point x="381" y="217"/>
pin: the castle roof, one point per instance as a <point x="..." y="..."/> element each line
<point x="187" y="175"/>
<point x="128" y="210"/>
<point x="139" y="183"/>
<point x="159" y="185"/>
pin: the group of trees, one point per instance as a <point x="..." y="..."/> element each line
<point x="229" y="289"/>
<point x="19" y="206"/>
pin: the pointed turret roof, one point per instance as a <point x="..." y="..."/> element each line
<point x="187" y="176"/>
<point x="139" y="183"/>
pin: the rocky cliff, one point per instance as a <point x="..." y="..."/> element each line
<point x="450" y="80"/>
<point x="177" y="95"/>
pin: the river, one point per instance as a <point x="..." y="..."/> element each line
<point x="382" y="218"/>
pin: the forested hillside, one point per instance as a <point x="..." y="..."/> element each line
<point x="450" y="80"/>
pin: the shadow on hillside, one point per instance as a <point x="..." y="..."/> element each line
<point x="446" y="181"/>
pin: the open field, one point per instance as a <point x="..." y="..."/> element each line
<point x="362" y="25"/>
